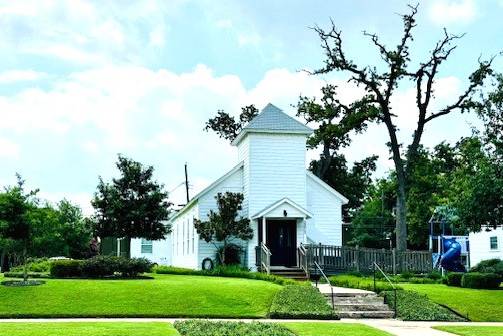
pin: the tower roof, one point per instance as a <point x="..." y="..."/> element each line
<point x="273" y="120"/>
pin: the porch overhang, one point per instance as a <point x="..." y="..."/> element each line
<point x="284" y="208"/>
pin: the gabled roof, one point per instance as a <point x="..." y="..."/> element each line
<point x="327" y="187"/>
<point x="205" y="191"/>
<point x="273" y="120"/>
<point x="276" y="204"/>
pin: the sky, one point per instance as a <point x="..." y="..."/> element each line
<point x="81" y="81"/>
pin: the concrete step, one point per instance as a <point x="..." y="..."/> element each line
<point x="360" y="307"/>
<point x="366" y="314"/>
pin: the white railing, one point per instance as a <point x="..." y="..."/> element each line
<point x="265" y="258"/>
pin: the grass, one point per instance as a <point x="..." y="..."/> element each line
<point x="164" y="296"/>
<point x="479" y="305"/>
<point x="472" y="331"/>
<point x="87" y="329"/>
<point x="227" y="328"/>
<point x="332" y="329"/>
<point x="301" y="302"/>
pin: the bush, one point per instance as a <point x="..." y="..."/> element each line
<point x="350" y="281"/>
<point x="66" y="268"/>
<point x="300" y="302"/>
<point x="20" y="275"/>
<point x="37" y="265"/>
<point x="229" y="272"/>
<point x="454" y="279"/>
<point x="232" y="254"/>
<point x="434" y="275"/>
<point x="100" y="266"/>
<point x="424" y="281"/>
<point x="412" y="306"/>
<point x="217" y="328"/>
<point x="130" y="268"/>
<point x="489" y="266"/>
<point x="481" y="280"/>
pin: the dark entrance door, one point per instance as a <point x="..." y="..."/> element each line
<point x="281" y="239"/>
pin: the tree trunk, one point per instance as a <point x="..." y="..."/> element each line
<point x="401" y="217"/>
<point x="2" y="260"/>
<point x="25" y="268"/>
<point x="222" y="256"/>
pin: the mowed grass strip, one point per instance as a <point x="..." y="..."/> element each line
<point x="480" y="305"/>
<point x="87" y="329"/>
<point x="333" y="329"/>
<point x="472" y="331"/>
<point x="164" y="296"/>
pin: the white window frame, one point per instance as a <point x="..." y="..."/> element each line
<point x="146" y="246"/>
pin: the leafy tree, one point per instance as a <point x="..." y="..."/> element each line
<point x="15" y="223"/>
<point x="380" y="86"/>
<point x="226" y="126"/>
<point x="223" y="227"/>
<point x="131" y="206"/>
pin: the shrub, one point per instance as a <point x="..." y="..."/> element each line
<point x="100" y="266"/>
<point x="454" y="279"/>
<point x="300" y="302"/>
<point x="364" y="283"/>
<point x="20" y="275"/>
<point x="66" y="268"/>
<point x="434" y="275"/>
<point x="481" y="280"/>
<point x="233" y="254"/>
<point x="217" y="328"/>
<point x="132" y="267"/>
<point x="407" y="275"/>
<point x="37" y="265"/>
<point x="427" y="281"/>
<point x="229" y="272"/>
<point x="489" y="266"/>
<point x="412" y="306"/>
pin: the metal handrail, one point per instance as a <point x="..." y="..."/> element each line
<point x="391" y="283"/>
<point x="328" y="282"/>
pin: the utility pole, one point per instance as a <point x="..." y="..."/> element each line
<point x="187" y="184"/>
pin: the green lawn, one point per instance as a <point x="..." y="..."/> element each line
<point x="87" y="329"/>
<point x="478" y="304"/>
<point x="332" y="329"/>
<point x="165" y="296"/>
<point x="472" y="331"/>
<point x="166" y="329"/>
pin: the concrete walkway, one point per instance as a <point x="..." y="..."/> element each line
<point x="394" y="327"/>
<point x="325" y="289"/>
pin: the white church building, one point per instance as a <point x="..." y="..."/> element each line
<point x="287" y="205"/>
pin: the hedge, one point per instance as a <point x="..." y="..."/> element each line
<point x="489" y="266"/>
<point x="301" y="302"/>
<point x="481" y="280"/>
<point x="229" y="272"/>
<point x="454" y="279"/>
<point x="412" y="306"/>
<point x="227" y="328"/>
<point x="100" y="267"/>
<point x="20" y="275"/>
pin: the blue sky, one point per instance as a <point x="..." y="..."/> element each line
<point x="81" y="81"/>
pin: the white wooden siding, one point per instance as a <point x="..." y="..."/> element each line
<point x="480" y="248"/>
<point x="326" y="224"/>
<point x="161" y="251"/>
<point x="185" y="241"/>
<point x="277" y="170"/>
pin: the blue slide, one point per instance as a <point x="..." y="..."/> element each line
<point x="451" y="258"/>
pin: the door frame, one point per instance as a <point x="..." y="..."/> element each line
<point x="292" y="253"/>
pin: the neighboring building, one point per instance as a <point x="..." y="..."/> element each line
<point x="486" y="244"/>
<point x="286" y="204"/>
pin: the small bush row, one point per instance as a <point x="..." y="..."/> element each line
<point x="220" y="328"/>
<point x="301" y="302"/>
<point x="365" y="283"/>
<point x="489" y="266"/>
<point x="100" y="267"/>
<point x="412" y="306"/>
<point x="20" y="275"/>
<point x="226" y="271"/>
<point x="473" y="280"/>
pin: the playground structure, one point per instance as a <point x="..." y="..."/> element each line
<point x="450" y="252"/>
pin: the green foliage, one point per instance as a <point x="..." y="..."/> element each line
<point x="131" y="206"/>
<point x="412" y="306"/>
<point x="220" y="328"/>
<point x="230" y="271"/>
<point x="301" y="302"/>
<point x="454" y="279"/>
<point x="40" y="265"/>
<point x="365" y="283"/>
<point x="489" y="266"/>
<point x="33" y="275"/>
<point x="232" y="252"/>
<point x="100" y="267"/>
<point x="226" y="126"/>
<point x="417" y="280"/>
<point x="223" y="226"/>
<point x="481" y="280"/>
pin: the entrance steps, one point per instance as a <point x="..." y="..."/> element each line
<point x="294" y="273"/>
<point x="357" y="304"/>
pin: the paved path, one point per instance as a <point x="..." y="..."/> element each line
<point x="394" y="327"/>
<point x="325" y="289"/>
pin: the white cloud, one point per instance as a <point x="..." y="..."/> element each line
<point x="12" y="76"/>
<point x="445" y="12"/>
<point x="249" y="38"/>
<point x="224" y="23"/>
<point x="157" y="37"/>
